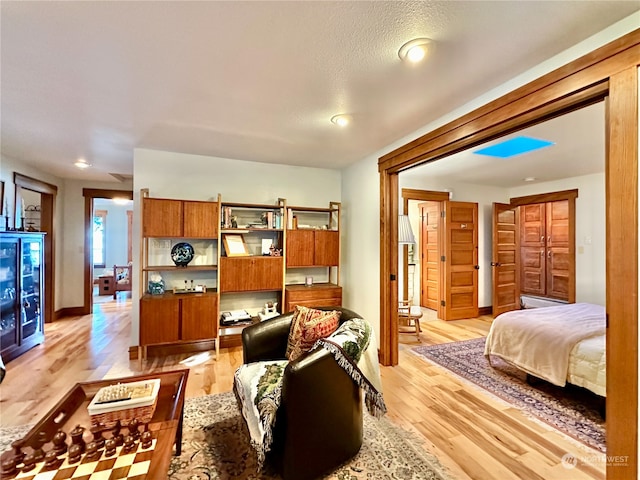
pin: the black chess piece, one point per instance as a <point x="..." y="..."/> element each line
<point x="133" y="428"/>
<point x="116" y="435"/>
<point x="75" y="453"/>
<point x="110" y="447"/>
<point x="29" y="462"/>
<point x="129" y="444"/>
<point x="51" y="460"/>
<point x="9" y="467"/>
<point x="97" y="430"/>
<point x="76" y="438"/>
<point x="18" y="454"/>
<point x="59" y="442"/>
<point x="38" y="452"/>
<point x="93" y="452"/>
<point x="146" y="438"/>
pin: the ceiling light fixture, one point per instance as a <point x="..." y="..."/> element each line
<point x="530" y="179"/>
<point x="414" y="50"/>
<point x="82" y="163"/>
<point x="342" y="119"/>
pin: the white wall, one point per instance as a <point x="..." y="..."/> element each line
<point x="72" y="239"/>
<point x="590" y="231"/>
<point x="115" y="233"/>
<point x="7" y="168"/>
<point x="361" y="180"/>
<point x="198" y="177"/>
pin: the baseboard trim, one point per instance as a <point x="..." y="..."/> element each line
<point x="70" y="312"/>
<point x="485" y="310"/>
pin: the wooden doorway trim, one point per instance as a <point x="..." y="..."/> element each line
<point x="48" y="193"/>
<point x="89" y="194"/>
<point x="421" y="196"/>
<point x="610" y="72"/>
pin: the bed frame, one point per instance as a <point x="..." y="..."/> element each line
<point x="120" y="274"/>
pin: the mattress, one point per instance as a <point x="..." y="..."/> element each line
<point x="587" y="365"/>
<point x="560" y="344"/>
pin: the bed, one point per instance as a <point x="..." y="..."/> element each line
<point x="122" y="279"/>
<point x="560" y="344"/>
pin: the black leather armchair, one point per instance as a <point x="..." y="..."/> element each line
<point x="319" y="422"/>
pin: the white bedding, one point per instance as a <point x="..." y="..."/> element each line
<point x="587" y="365"/>
<point x="558" y="344"/>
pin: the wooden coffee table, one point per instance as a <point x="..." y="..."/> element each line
<point x="165" y="425"/>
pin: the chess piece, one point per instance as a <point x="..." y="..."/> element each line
<point x="110" y="447"/>
<point x="96" y="430"/>
<point x="59" y="443"/>
<point x="76" y="438"/>
<point x="133" y="429"/>
<point x="9" y="467"/>
<point x="51" y="460"/>
<point x="146" y="438"/>
<point x="18" y="454"/>
<point x="93" y="453"/>
<point x="116" y="435"/>
<point x="129" y="444"/>
<point x="75" y="453"/>
<point x="29" y="462"/>
<point x="38" y="453"/>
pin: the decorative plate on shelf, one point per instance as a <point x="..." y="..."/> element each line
<point x="182" y="254"/>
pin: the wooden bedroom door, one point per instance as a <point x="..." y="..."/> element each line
<point x="430" y="254"/>
<point x="460" y="261"/>
<point x="505" y="258"/>
<point x="532" y="245"/>
<point x="560" y="258"/>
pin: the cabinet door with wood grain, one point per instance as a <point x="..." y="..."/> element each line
<point x="327" y="248"/>
<point x="247" y="274"/>
<point x="300" y="247"/>
<point x="200" y="219"/>
<point x="199" y="317"/>
<point x="159" y="320"/>
<point x="161" y="217"/>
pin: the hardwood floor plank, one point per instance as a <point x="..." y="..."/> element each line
<point x="474" y="434"/>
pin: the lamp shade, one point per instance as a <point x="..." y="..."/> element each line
<point x="405" y="234"/>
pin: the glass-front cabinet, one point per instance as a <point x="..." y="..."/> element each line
<point x="21" y="292"/>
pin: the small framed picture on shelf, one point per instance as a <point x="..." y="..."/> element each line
<point x="234" y="245"/>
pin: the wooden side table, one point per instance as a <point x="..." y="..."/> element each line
<point x="106" y="285"/>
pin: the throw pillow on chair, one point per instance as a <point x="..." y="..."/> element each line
<point x="307" y="326"/>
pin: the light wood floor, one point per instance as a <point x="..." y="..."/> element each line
<point x="473" y="434"/>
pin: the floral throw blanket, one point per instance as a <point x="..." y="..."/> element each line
<point x="258" y="385"/>
<point x="354" y="347"/>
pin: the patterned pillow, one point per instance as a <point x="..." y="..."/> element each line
<point x="307" y="326"/>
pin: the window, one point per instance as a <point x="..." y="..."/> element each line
<point x="99" y="238"/>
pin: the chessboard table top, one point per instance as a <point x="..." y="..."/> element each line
<point x="165" y="424"/>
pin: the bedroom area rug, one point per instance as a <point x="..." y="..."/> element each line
<point x="571" y="410"/>
<point x="216" y="445"/>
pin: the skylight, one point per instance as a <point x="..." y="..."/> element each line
<point x="514" y="146"/>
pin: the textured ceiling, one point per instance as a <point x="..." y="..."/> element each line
<point x="256" y="80"/>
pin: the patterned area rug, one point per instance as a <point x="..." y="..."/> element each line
<point x="216" y="446"/>
<point x="571" y="410"/>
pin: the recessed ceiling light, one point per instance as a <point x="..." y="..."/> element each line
<point x="530" y="179"/>
<point x="414" y="50"/>
<point x="342" y="119"/>
<point x="514" y="146"/>
<point x="82" y="163"/>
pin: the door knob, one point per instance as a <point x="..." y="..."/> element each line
<point x="477" y="267"/>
